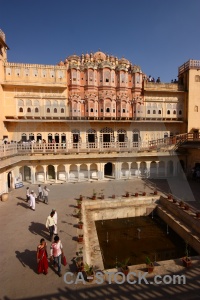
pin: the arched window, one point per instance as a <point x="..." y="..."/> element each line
<point x="20" y="109"/>
<point x="148" y="111"/>
<point x="174" y="112"/>
<point x="62" y="110"/>
<point x="180" y="112"/>
<point x="154" y="111"/>
<point x="55" y="110"/>
<point x="168" y="112"/>
<point x="28" y="109"/>
<point x="48" y="110"/>
<point x="36" y="109"/>
<point x="159" y="112"/>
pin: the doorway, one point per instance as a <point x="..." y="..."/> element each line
<point x="108" y="169"/>
<point x="9" y="179"/>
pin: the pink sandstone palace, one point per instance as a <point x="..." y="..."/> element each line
<point x="95" y="116"/>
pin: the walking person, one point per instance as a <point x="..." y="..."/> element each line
<point x="42" y="261"/>
<point x="39" y="192"/>
<point x="32" y="200"/>
<point x="27" y="194"/>
<point x="56" y="253"/>
<point x="50" y="224"/>
<point x="46" y="194"/>
<point x="55" y="217"/>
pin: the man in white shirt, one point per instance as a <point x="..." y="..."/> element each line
<point x="46" y="194"/>
<point x="50" y="224"/>
<point x="39" y="192"/>
<point x="56" y="253"/>
<point x="55" y="217"/>
<point x="32" y="200"/>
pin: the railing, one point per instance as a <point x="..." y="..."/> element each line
<point x="190" y="64"/>
<point x="176" y="140"/>
<point x="70" y="148"/>
<point x="167" y="143"/>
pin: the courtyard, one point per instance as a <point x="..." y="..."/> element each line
<point x="22" y="229"/>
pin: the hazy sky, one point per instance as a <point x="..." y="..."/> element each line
<point x="158" y="35"/>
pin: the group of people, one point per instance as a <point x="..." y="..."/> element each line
<point x="42" y="195"/>
<point x="56" y="249"/>
<point x="56" y="254"/>
<point x="152" y="79"/>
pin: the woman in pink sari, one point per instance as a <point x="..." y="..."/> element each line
<point x="42" y="257"/>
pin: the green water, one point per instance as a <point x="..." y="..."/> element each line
<point x="136" y="238"/>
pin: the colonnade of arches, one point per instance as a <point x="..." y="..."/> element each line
<point x="99" y="171"/>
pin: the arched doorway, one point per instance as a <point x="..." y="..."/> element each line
<point x="51" y="172"/>
<point x="27" y="173"/>
<point x="108" y="169"/>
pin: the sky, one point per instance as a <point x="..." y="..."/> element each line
<point x="157" y="35"/>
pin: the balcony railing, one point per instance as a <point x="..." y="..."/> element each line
<point x="70" y="148"/>
<point x="168" y="143"/>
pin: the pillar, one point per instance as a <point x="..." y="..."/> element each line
<point x="33" y="174"/>
<point x="45" y="173"/>
<point x="56" y="174"/>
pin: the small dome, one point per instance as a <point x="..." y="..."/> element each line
<point x="124" y="61"/>
<point x="99" y="55"/>
<point x="61" y="63"/>
<point x="73" y="57"/>
<point x="87" y="56"/>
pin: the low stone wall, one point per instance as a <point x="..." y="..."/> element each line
<point x="122" y="207"/>
<point x="187" y="216"/>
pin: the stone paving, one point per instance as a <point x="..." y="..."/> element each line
<point x="22" y="228"/>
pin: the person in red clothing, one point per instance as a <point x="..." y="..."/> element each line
<point x="42" y="261"/>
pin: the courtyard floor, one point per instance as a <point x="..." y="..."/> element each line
<point x="22" y="229"/>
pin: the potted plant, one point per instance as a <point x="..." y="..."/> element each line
<point x="79" y="260"/>
<point x="181" y="203"/>
<point x="113" y="196"/>
<point x="80" y="223"/>
<point x="124" y="266"/>
<point x="186" y="206"/>
<point x="144" y="194"/>
<point x="198" y="214"/>
<point x="127" y="194"/>
<point x="79" y="204"/>
<point x="155" y="192"/>
<point x="149" y="265"/>
<point x="89" y="270"/>
<point x="186" y="260"/>
<point x="169" y="196"/>
<point x="80" y="238"/>
<point x="81" y="197"/>
<point x="94" y="195"/>
<point x="136" y="194"/>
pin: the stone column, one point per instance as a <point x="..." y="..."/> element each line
<point x="129" y="167"/>
<point x="56" y="173"/>
<point x="33" y="174"/>
<point x="78" y="168"/>
<point x="45" y="173"/>
<point x="138" y="167"/>
<point x="66" y="173"/>
<point x="148" y="163"/>
<point x="88" y="166"/>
